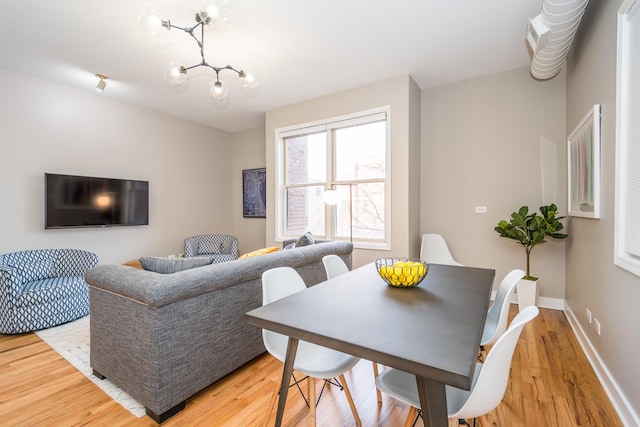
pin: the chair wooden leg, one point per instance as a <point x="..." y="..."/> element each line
<point x="411" y="417"/>
<point x="375" y="375"/>
<point x="350" y="400"/>
<point x="311" y="385"/>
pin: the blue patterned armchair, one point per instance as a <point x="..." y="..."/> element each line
<point x="217" y="247"/>
<point x="42" y="288"/>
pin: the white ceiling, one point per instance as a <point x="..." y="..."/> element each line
<point x="298" y="49"/>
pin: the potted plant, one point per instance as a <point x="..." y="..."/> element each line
<point x="530" y="230"/>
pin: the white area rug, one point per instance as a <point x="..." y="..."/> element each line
<point x="71" y="341"/>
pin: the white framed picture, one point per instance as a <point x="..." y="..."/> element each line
<point x="583" y="166"/>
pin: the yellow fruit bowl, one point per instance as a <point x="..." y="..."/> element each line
<point x="401" y="272"/>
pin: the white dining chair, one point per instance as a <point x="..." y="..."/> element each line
<point x="434" y="250"/>
<point x="498" y="313"/>
<point x="487" y="388"/>
<point x="312" y="360"/>
<point x="335" y="266"/>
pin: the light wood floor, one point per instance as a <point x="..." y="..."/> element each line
<point x="551" y="384"/>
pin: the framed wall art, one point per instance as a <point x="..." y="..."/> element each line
<point x="583" y="158"/>
<point x="254" y="193"/>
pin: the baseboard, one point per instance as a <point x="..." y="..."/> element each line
<point x="552" y="303"/>
<point x="543" y="302"/>
<point x="618" y="399"/>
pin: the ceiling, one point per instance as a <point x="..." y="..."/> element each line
<point x="299" y="50"/>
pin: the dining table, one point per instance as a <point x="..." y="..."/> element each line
<point x="432" y="330"/>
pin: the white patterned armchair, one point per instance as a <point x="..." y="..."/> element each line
<point x="42" y="288"/>
<point x="217" y="247"/>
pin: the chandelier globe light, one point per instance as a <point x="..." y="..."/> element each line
<point x="173" y="73"/>
<point x="219" y="95"/>
<point x="213" y="14"/>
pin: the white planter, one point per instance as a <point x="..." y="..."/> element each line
<point x="528" y="291"/>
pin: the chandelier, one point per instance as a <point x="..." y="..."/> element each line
<point x="212" y="13"/>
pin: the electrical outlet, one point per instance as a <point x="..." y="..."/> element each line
<point x="596" y="325"/>
<point x="588" y="315"/>
<point x="481" y="209"/>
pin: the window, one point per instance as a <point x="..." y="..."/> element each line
<point x="347" y="154"/>
<point x="627" y="228"/>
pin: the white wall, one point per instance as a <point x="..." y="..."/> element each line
<point x="496" y="141"/>
<point x="52" y="128"/>
<point x="593" y="281"/>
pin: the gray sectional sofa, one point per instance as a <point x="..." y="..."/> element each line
<point x="164" y="337"/>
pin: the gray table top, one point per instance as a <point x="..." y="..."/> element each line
<point x="432" y="330"/>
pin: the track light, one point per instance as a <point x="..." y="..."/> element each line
<point x="102" y="83"/>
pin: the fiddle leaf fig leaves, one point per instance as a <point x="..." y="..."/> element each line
<point x="530" y="229"/>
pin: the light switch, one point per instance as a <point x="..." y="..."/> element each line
<point x="481" y="209"/>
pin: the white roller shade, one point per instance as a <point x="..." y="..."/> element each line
<point x="628" y="139"/>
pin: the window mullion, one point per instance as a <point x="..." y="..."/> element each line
<point x="330" y="210"/>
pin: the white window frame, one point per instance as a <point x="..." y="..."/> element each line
<point x="329" y="125"/>
<point x="627" y="231"/>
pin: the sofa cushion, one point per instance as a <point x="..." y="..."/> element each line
<point x="34" y="270"/>
<point x="209" y="246"/>
<point x="172" y="265"/>
<point x="216" y="258"/>
<point x="43" y="292"/>
<point x="260" y="252"/>
<point x="305" y="240"/>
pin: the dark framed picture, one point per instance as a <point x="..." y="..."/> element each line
<point x="254" y="193"/>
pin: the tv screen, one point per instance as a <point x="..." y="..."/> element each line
<point x="81" y="201"/>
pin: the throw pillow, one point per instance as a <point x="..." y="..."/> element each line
<point x="260" y="252"/>
<point x="172" y="265"/>
<point x="290" y="246"/>
<point x="305" y="240"/>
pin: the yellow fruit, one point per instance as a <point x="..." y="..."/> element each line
<point x="403" y="274"/>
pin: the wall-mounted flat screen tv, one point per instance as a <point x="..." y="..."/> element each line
<point x="82" y="201"/>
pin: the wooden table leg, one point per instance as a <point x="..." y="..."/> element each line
<point x="375" y="375"/>
<point x="433" y="401"/>
<point x="292" y="347"/>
